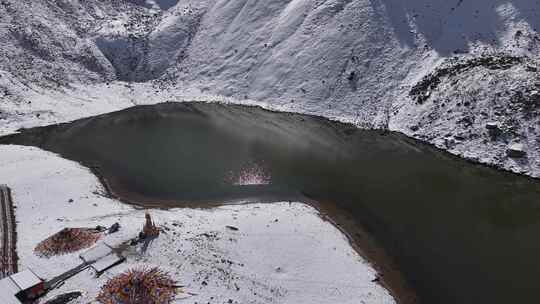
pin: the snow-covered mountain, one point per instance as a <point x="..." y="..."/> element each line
<point x="462" y="75"/>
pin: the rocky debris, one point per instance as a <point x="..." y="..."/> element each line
<point x="528" y="100"/>
<point x="114" y="228"/>
<point x="449" y="142"/>
<point x="494" y="129"/>
<point x="492" y="126"/>
<point x="232" y="228"/>
<point x="516" y="150"/>
<point x="480" y="110"/>
<point x="422" y="90"/>
<point x="100" y="228"/>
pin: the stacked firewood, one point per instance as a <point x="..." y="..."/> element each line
<point x="139" y="286"/>
<point x="67" y="240"/>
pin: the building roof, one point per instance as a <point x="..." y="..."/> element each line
<point x="12" y="285"/>
<point x="101" y="257"/>
<point x="26" y="279"/>
<point x="8" y="290"/>
<point x="95" y="253"/>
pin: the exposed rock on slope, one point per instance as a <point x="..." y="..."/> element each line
<point x="350" y="60"/>
<point x="481" y="108"/>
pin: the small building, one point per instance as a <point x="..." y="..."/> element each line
<point x="101" y="258"/>
<point x="21" y="287"/>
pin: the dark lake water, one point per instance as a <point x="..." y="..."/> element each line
<point x="460" y="233"/>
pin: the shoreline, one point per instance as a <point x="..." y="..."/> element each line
<point x="362" y="242"/>
<point x="391" y="278"/>
<point x="406" y="136"/>
<point x="282" y="252"/>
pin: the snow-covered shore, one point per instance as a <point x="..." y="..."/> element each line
<point x="281" y="253"/>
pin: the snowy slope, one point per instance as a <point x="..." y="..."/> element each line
<point x="350" y="60"/>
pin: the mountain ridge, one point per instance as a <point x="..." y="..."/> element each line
<point x="355" y="61"/>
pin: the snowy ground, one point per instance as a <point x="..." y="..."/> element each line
<point x="282" y="252"/>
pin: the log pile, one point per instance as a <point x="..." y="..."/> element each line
<point x="139" y="286"/>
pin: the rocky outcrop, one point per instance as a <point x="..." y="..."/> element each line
<point x="484" y="109"/>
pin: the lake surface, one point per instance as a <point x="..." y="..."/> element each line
<point x="460" y="233"/>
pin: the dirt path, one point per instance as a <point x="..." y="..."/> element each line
<point x="8" y="255"/>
